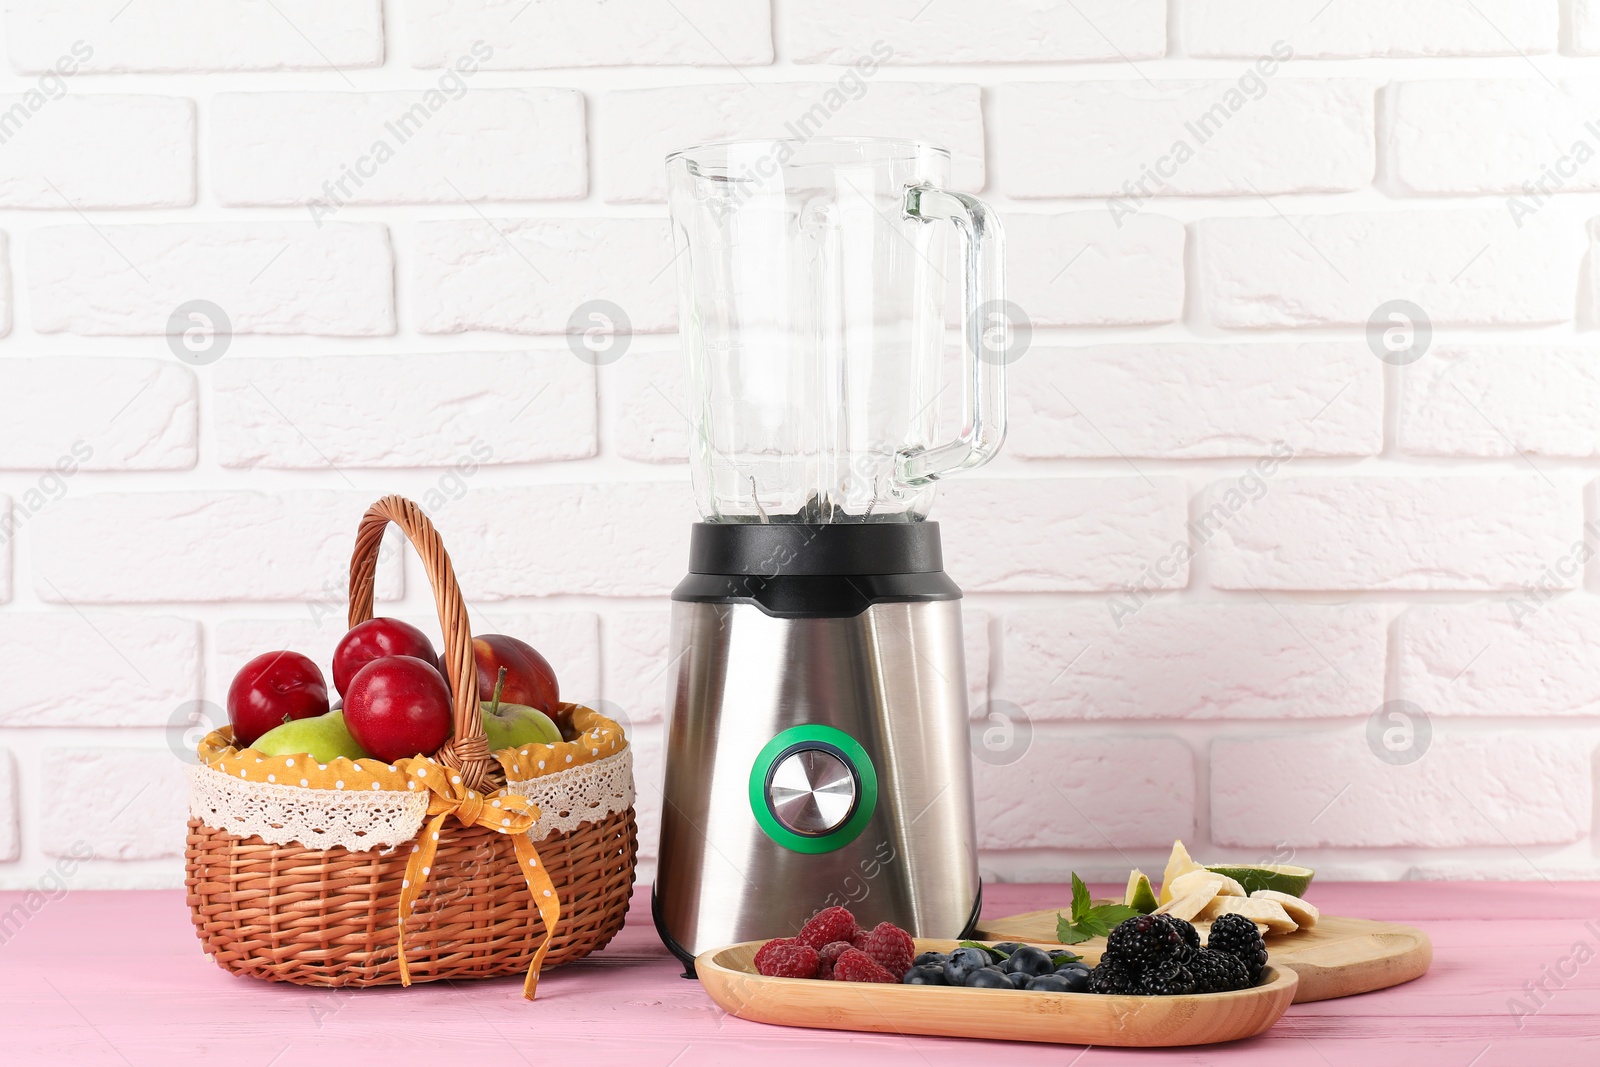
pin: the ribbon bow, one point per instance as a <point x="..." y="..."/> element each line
<point x="502" y="812"/>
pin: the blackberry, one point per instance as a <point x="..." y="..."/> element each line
<point x="1238" y="936"/>
<point x="1168" y="978"/>
<point x="1217" y="972"/>
<point x="1191" y="936"/>
<point x="1113" y="976"/>
<point x="1146" y="940"/>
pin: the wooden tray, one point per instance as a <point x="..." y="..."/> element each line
<point x="729" y="975"/>
<point x="1336" y="958"/>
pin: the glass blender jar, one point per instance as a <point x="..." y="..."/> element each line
<point x="818" y="735"/>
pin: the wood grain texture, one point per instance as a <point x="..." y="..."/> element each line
<point x="1338" y="957"/>
<point x="729" y="975"/>
<point x="113" y="978"/>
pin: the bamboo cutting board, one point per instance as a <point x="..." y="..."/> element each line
<point x="729" y="976"/>
<point x="1336" y="958"/>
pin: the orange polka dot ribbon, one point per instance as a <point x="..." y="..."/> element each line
<point x="502" y="812"/>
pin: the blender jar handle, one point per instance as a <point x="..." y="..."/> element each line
<point x="983" y="361"/>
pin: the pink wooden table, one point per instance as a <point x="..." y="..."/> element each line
<point x="118" y="978"/>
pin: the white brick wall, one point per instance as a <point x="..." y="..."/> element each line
<point x="1222" y="535"/>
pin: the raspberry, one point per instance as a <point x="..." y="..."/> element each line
<point x="890" y="946"/>
<point x="786" y="957"/>
<point x="857" y="966"/>
<point x="828" y="926"/>
<point x="829" y="956"/>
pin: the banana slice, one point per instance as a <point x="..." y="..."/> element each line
<point x="1268" y="913"/>
<point x="1301" y="912"/>
<point x="1187" y="907"/>
<point x="1185" y="884"/>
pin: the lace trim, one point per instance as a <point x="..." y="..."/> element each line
<point x="362" y="820"/>
<point x="587" y="793"/>
<point x="359" y="820"/>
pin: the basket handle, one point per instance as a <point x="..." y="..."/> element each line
<point x="468" y="749"/>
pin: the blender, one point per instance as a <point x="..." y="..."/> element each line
<point x="817" y="747"/>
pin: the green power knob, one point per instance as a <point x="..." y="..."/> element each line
<point x="813" y="789"/>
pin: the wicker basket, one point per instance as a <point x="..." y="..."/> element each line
<point x="287" y="912"/>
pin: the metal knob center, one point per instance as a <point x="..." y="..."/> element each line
<point x="812" y="792"/>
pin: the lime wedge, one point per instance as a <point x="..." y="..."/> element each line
<point x="1140" y="896"/>
<point x="1276" y="876"/>
<point x="1179" y="863"/>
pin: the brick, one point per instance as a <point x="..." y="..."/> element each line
<point x="10" y="809"/>
<point x="591" y="33"/>
<point x="604" y="539"/>
<point x="140" y="798"/>
<point x="90" y="413"/>
<point x="103" y="151"/>
<point x="1087" y="792"/>
<point x="1236" y="137"/>
<point x="649" y="774"/>
<point x="1193" y="401"/>
<point x="1475" y="400"/>
<point x="1008" y="31"/>
<point x="5" y="284"/>
<point x="207" y="547"/>
<point x="640" y="126"/>
<point x="1083" y="269"/>
<point x="44" y="35"/>
<point x="9" y="520"/>
<point x="1123" y="659"/>
<point x="1059" y="534"/>
<point x="1329" y="790"/>
<point x="568" y="639"/>
<point x="639" y="669"/>
<point x="143" y="666"/>
<point x="1390" y="533"/>
<point x="268" y="277"/>
<point x="1460" y="267"/>
<point x="1527" y="137"/>
<point x="463" y="411"/>
<point x="531" y="275"/>
<point x="443" y="143"/>
<point x="1478" y="659"/>
<point x="650" y="412"/>
<point x="1583" y="28"/>
<point x="1356" y="28"/>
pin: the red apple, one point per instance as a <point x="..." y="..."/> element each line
<point x="375" y="639"/>
<point x="398" y="706"/>
<point x="529" y="679"/>
<point x="272" y="689"/>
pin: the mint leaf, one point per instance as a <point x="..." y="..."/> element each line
<point x="1088" y="919"/>
<point x="1080" y="898"/>
<point x="1067" y="933"/>
<point x="990" y="949"/>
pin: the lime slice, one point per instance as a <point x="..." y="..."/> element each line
<point x="1141" y="897"/>
<point x="1179" y="863"/>
<point x="1276" y="876"/>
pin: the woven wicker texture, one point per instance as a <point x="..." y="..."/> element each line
<point x="326" y="917"/>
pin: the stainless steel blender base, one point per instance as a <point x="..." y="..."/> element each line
<point x="760" y="829"/>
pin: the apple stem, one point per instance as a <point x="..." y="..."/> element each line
<point x="499" y="684"/>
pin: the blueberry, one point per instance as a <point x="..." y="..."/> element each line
<point x="987" y="978"/>
<point x="1019" y="980"/>
<point x="935" y="958"/>
<point x="1007" y="947"/>
<point x="1076" y="975"/>
<point x="927" y="974"/>
<point x="1050" y="983"/>
<point x="963" y="962"/>
<point x="1030" y="960"/>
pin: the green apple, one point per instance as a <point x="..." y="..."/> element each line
<point x="324" y="738"/>
<point x="515" y="725"/>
